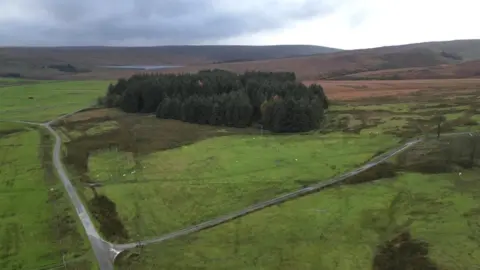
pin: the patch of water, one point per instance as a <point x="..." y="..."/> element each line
<point x="142" y="67"/>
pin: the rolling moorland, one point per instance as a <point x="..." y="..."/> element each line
<point x="338" y="65"/>
<point x="143" y="174"/>
<point x="65" y="62"/>
<point x="308" y="62"/>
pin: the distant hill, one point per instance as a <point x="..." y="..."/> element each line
<point x="468" y="49"/>
<point x="309" y="62"/>
<point x="326" y="66"/>
<point x="36" y="61"/>
<point x="338" y="64"/>
<point x="469" y="69"/>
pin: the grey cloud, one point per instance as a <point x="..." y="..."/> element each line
<point x="111" y="22"/>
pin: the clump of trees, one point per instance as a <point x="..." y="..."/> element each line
<point x="67" y="68"/>
<point x="218" y="97"/>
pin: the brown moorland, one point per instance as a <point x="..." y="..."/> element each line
<point x="325" y="66"/>
<point x="469" y="69"/>
<point x="65" y="62"/>
<point x="320" y="66"/>
<point x="316" y="63"/>
<point x="331" y="65"/>
<point x="398" y="89"/>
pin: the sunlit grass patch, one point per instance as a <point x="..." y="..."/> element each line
<point x="197" y="182"/>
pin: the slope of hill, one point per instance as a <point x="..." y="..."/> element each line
<point x="309" y="62"/>
<point x="468" y="49"/>
<point x="333" y="65"/>
<point x="35" y="61"/>
<point x="324" y="66"/>
<point x="469" y="69"/>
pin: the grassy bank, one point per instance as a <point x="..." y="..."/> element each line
<point x="38" y="227"/>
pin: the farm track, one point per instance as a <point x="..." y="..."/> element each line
<point x="106" y="252"/>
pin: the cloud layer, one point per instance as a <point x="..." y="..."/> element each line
<point x="147" y="22"/>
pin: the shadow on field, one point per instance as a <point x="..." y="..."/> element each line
<point x="403" y="252"/>
<point x="105" y="212"/>
<point x="456" y="154"/>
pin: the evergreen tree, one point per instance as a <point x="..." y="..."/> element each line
<point x="219" y="97"/>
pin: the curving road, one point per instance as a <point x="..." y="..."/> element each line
<point x="103" y="250"/>
<point x="281" y="199"/>
<point x="274" y="201"/>
<point x="106" y="252"/>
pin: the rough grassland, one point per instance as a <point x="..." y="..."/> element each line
<point x="340" y="228"/>
<point x="37" y="224"/>
<point x="168" y="190"/>
<point x="44" y="101"/>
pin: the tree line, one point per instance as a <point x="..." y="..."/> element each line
<point x="217" y="97"/>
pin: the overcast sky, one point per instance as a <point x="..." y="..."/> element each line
<point x="345" y="24"/>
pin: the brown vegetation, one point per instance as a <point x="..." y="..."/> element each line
<point x="323" y="66"/>
<point x="135" y="133"/>
<point x="316" y="63"/>
<point x="86" y="62"/>
<point x="403" y="252"/>
<point x="469" y="69"/>
<point x="349" y="62"/>
<point x="403" y="89"/>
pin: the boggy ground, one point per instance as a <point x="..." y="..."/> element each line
<point x="398" y="90"/>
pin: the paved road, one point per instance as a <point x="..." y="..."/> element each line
<point x="106" y="252"/>
<point x="103" y="250"/>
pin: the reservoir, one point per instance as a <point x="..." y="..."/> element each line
<point x="142" y="67"/>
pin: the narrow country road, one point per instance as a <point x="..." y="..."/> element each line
<point x="103" y="250"/>
<point x="281" y="199"/>
<point x="274" y="201"/>
<point x="106" y="252"/>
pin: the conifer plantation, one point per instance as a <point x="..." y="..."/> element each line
<point x="221" y="98"/>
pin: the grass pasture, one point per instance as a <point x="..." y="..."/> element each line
<point x="419" y="210"/>
<point x="158" y="186"/>
<point x="169" y="190"/>
<point x="347" y="227"/>
<point x="156" y="176"/>
<point x="45" y="100"/>
<point x="38" y="226"/>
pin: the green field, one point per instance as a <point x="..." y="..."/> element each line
<point x="45" y="100"/>
<point x="168" y="190"/>
<point x="38" y="226"/>
<point x="159" y="191"/>
<point x="143" y="182"/>
<point x="340" y="228"/>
